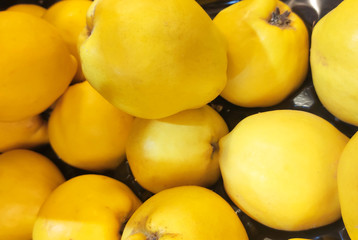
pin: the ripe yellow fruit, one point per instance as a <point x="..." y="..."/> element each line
<point x="268" y="46"/>
<point x="334" y="52"/>
<point x="87" y="207"/>
<point x="32" y="9"/>
<point x="348" y="186"/>
<point x="280" y="168"/>
<point x="178" y="150"/>
<point x="26" y="180"/>
<point x="185" y="213"/>
<point x="88" y="132"/>
<point x="153" y="59"/>
<point x="26" y="133"/>
<point x="36" y="66"/>
<point x="69" y="17"/>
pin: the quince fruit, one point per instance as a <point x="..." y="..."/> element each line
<point x="86" y="207"/>
<point x="268" y="48"/>
<point x="69" y="17"/>
<point x="153" y="59"/>
<point x="185" y="213"/>
<point x="27" y="178"/>
<point x="334" y="54"/>
<point x="181" y="149"/>
<point x="88" y="132"/>
<point x="280" y="168"/>
<point x="348" y="186"/>
<point x="36" y="65"/>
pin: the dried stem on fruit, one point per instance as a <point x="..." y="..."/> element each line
<point x="280" y="20"/>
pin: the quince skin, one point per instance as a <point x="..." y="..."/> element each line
<point x="334" y="55"/>
<point x="153" y="59"/>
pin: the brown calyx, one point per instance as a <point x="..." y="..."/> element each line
<point x="280" y="20"/>
<point x="153" y="236"/>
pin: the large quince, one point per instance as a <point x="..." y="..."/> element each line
<point x="155" y="58"/>
<point x="334" y="54"/>
<point x="185" y="213"/>
<point x="280" y="168"/>
<point x="36" y="65"/>
<point x="268" y="48"/>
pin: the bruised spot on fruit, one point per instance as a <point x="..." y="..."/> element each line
<point x="321" y="59"/>
<point x="280" y="20"/>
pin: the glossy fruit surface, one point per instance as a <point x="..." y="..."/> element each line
<point x="36" y="66"/>
<point x="32" y="9"/>
<point x="88" y="132"/>
<point x="348" y="186"/>
<point x="280" y="168"/>
<point x="26" y="180"/>
<point x="153" y="67"/>
<point x="87" y="207"/>
<point x="334" y="53"/>
<point x="178" y="150"/>
<point x="268" y="47"/>
<point x="185" y="213"/>
<point x="69" y="17"/>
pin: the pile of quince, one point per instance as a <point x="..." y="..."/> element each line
<point x="107" y="82"/>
